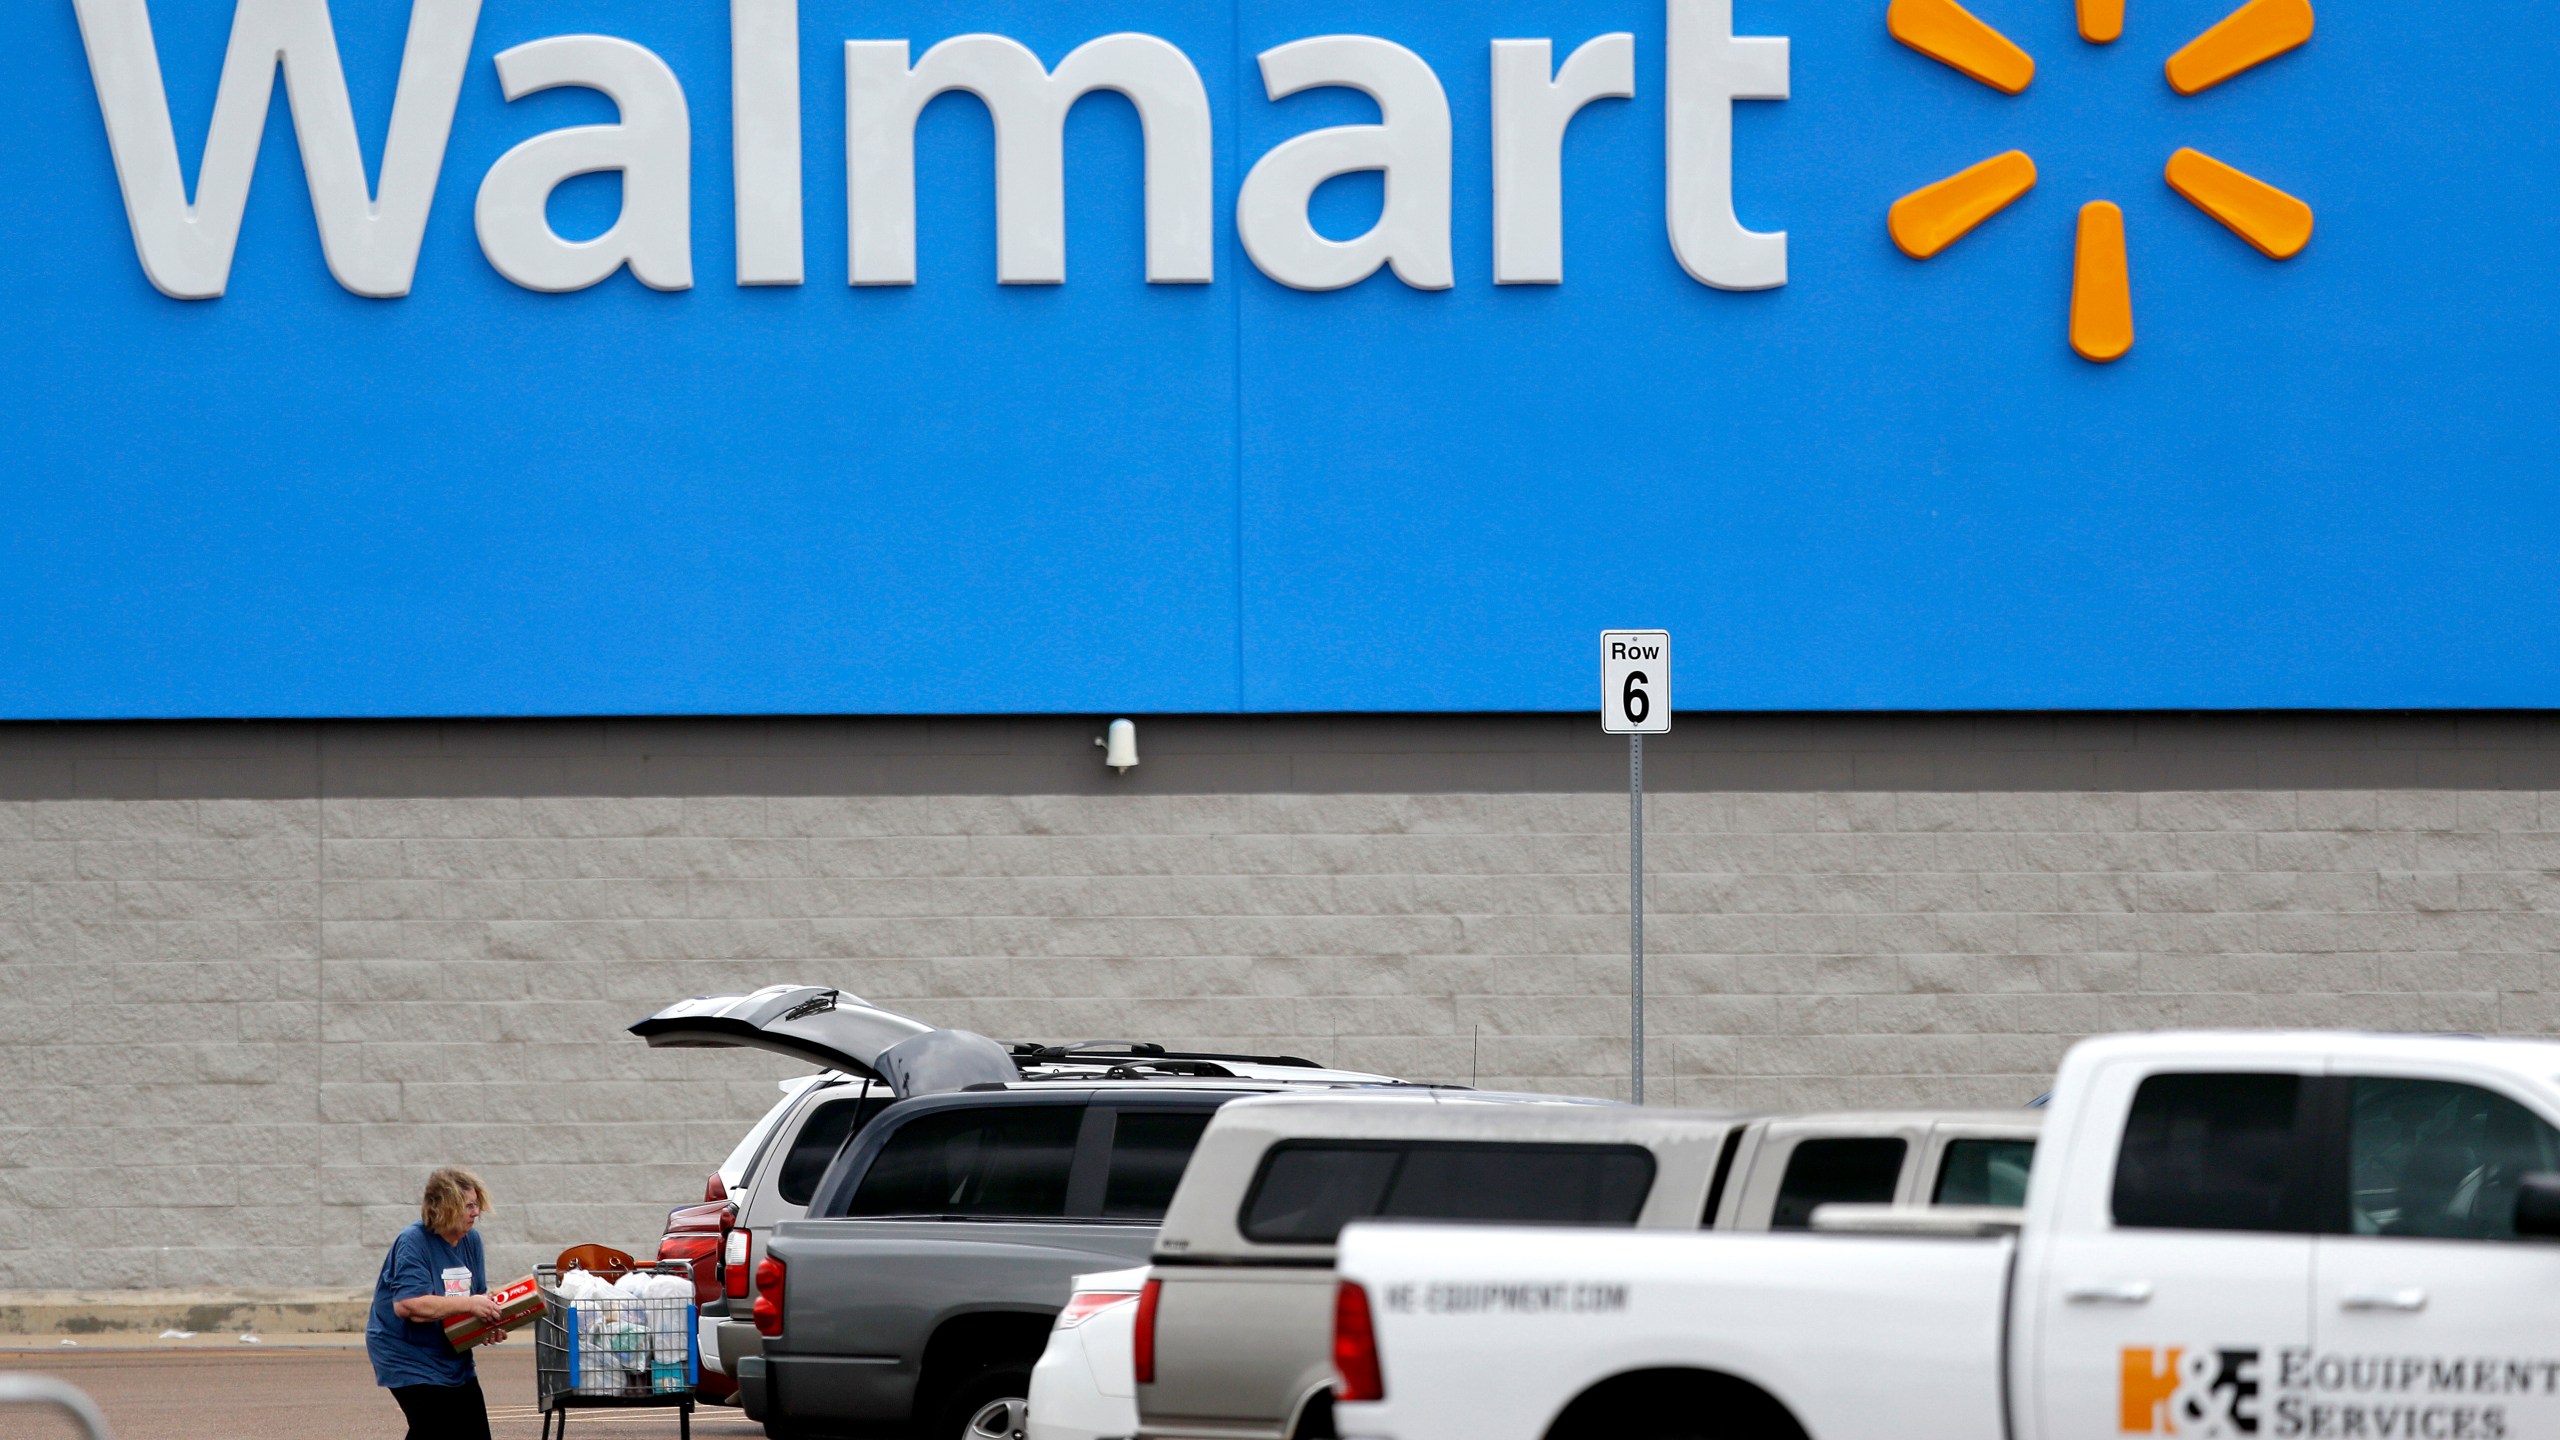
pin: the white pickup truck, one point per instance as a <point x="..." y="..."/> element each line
<point x="2323" y="1236"/>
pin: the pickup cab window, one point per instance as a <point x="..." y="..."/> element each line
<point x="1148" y="1153"/>
<point x="1009" y="1161"/>
<point x="1307" y="1192"/>
<point x="1860" y="1171"/>
<point x="2217" y="1152"/>
<point x="820" y="1137"/>
<point x="2438" y="1160"/>
<point x="1984" y="1172"/>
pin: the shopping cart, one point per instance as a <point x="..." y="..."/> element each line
<point x="55" y="1395"/>
<point x="616" y="1353"/>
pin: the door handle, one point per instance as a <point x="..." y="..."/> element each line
<point x="2112" y="1292"/>
<point x="2383" y="1300"/>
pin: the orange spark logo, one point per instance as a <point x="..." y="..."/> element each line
<point x="1934" y="217"/>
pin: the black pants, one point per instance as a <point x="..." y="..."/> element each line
<point x="444" y="1412"/>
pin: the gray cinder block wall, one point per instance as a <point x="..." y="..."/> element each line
<point x="255" y="980"/>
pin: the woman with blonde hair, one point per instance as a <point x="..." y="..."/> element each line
<point x="435" y="1271"/>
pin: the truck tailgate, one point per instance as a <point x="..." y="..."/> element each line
<point x="864" y="1298"/>
<point x="1887" y="1337"/>
<point x="1238" y="1348"/>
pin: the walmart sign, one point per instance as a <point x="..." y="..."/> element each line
<point x="372" y="236"/>
<point x="770" y="356"/>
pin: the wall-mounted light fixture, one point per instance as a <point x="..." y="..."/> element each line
<point x="1120" y="746"/>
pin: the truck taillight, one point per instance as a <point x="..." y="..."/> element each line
<point x="1355" y="1347"/>
<point x="733" y="1262"/>
<point x="768" y="1310"/>
<point x="1142" y="1345"/>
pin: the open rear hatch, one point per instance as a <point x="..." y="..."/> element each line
<point x="826" y="1026"/>
<point x="816" y="1023"/>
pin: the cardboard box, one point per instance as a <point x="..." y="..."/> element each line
<point x="518" y="1303"/>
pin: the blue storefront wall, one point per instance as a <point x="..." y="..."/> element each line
<point x="1890" y="484"/>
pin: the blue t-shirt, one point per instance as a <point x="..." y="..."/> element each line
<point x="415" y="1352"/>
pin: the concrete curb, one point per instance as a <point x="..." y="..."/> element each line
<point x="148" y="1312"/>
<point x="122" y="1342"/>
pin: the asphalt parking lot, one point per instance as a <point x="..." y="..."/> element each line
<point x="282" y="1392"/>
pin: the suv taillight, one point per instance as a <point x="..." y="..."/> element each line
<point x="1142" y="1345"/>
<point x="733" y="1263"/>
<point x="1355" y="1347"/>
<point x="768" y="1310"/>
<point x="1085" y="1304"/>
<point x="699" y="1251"/>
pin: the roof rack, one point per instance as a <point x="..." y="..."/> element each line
<point x="1144" y="1050"/>
<point x="1173" y="1065"/>
<point x="1139" y="1070"/>
<point x="1107" y="1047"/>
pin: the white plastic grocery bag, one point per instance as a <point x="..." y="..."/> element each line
<point x="670" y="1317"/>
<point x="593" y="1305"/>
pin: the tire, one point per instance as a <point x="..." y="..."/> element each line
<point x="989" y="1405"/>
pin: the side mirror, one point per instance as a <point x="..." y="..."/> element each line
<point x="2538" y="1207"/>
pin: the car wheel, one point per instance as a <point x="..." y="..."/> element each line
<point x="990" y="1405"/>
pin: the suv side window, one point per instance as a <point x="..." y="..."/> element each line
<point x="1149" y="1150"/>
<point x="1523" y="1184"/>
<point x="1000" y="1160"/>
<point x="1308" y="1191"/>
<point x="2439" y="1160"/>
<point x="820" y="1137"/>
<point x="2217" y="1152"/>
<point x="1984" y="1172"/>
<point x="1859" y="1171"/>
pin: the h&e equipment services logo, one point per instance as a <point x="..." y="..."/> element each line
<point x="2183" y="1391"/>
<point x="2298" y="1393"/>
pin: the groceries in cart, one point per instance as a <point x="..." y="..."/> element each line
<point x="601" y="1260"/>
<point x="634" y="1334"/>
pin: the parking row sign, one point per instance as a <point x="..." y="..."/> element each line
<point x="1635" y="682"/>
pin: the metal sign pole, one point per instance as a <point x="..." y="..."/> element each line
<point x="1635" y="701"/>
<point x="1635" y="907"/>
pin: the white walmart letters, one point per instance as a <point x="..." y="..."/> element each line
<point x="652" y="147"/>
<point x="372" y="243"/>
<point x="1531" y="109"/>
<point x="1411" y="146"/>
<point x="764" y="121"/>
<point x="1710" y="69"/>
<point x="1029" y="104"/>
<point x="372" y="246"/>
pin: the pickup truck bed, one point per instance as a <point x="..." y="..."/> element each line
<point x="1908" y="1321"/>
